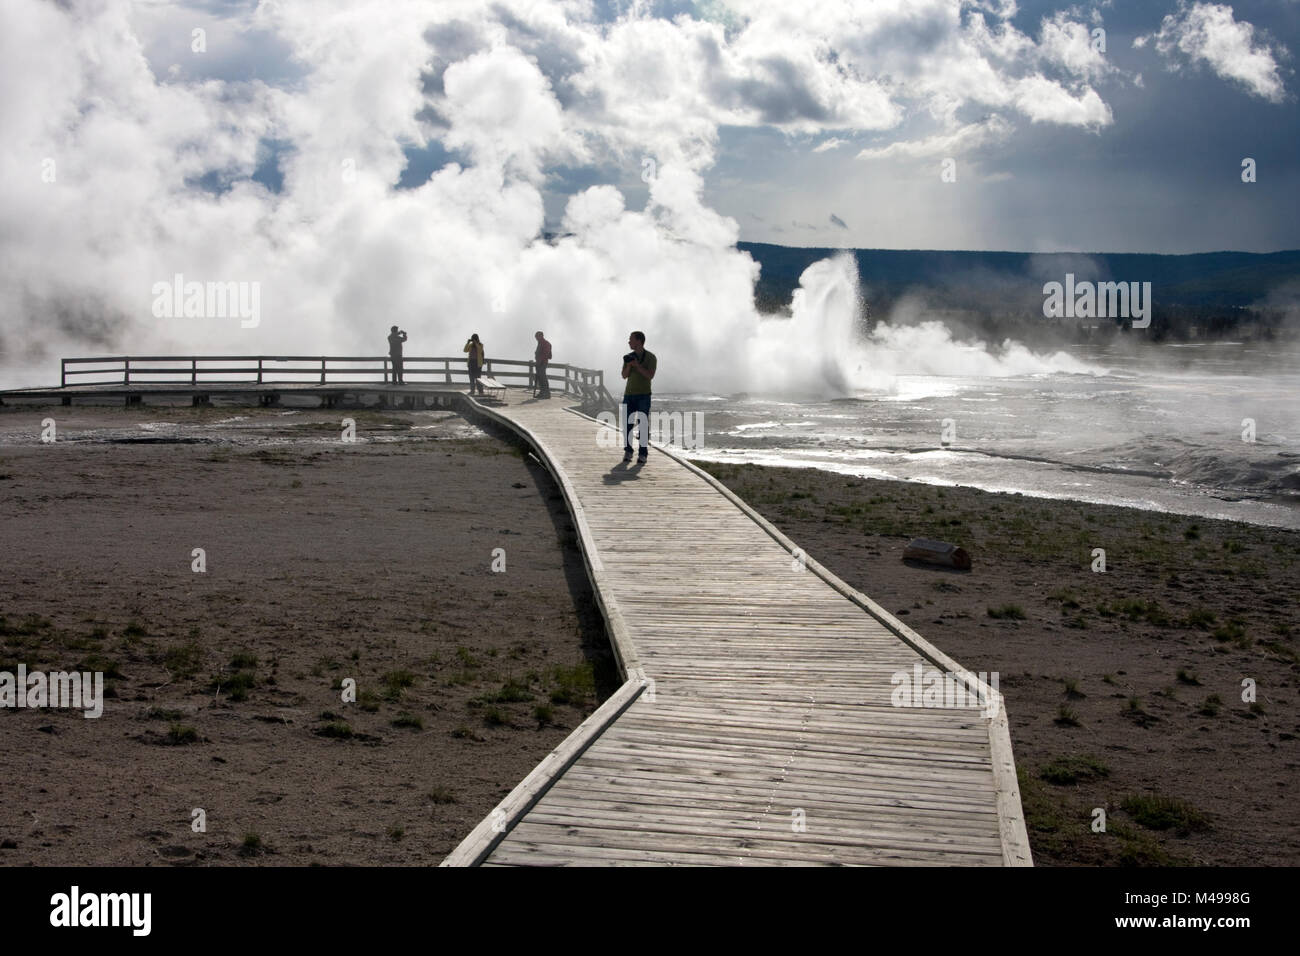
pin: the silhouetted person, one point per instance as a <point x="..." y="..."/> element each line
<point x="475" y="359"/>
<point x="543" y="358"/>
<point x="638" y="368"/>
<point x="395" y="340"/>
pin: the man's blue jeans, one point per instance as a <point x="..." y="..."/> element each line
<point x="632" y="404"/>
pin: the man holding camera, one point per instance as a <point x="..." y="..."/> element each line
<point x="638" y="368"/>
<point x="395" y="340"/>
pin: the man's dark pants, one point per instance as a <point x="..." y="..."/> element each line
<point x="631" y="405"/>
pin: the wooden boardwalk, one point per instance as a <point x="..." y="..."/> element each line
<point x="757" y="725"/>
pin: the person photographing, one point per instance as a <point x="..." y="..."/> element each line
<point x="475" y="357"/>
<point x="639" y="368"/>
<point x="395" y="339"/>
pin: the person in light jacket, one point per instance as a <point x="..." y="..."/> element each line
<point x="475" y="359"/>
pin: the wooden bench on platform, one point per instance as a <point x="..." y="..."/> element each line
<point x="495" y="390"/>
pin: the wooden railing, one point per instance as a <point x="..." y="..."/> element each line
<point x="196" y="370"/>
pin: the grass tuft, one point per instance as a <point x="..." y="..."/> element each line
<point x="179" y="735"/>
<point x="1010" y="612"/>
<point x="183" y="661"/>
<point x="1157" y="812"/>
<point x="572" y="685"/>
<point x="252" y="845"/>
<point x="511" y="692"/>
<point x="1066" y="717"/>
<point x="1072" y="769"/>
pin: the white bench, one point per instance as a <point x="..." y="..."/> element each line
<point x="494" y="389"/>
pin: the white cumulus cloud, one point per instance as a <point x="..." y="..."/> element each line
<point x="1209" y="33"/>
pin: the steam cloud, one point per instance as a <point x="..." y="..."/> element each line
<point x="131" y="159"/>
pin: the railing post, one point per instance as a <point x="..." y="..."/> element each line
<point x="260" y="359"/>
<point x="63" y="373"/>
<point x="322" y="370"/>
<point x="446" y="369"/>
<point x="126" y="371"/>
<point x="194" y="371"/>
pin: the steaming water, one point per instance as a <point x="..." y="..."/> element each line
<point x="1159" y="429"/>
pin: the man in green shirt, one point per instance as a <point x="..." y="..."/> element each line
<point x="638" y="368"/>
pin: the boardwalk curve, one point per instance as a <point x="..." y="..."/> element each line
<point x="757" y="724"/>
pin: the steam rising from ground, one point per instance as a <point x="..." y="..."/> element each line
<point x="120" y="174"/>
<point x="821" y="351"/>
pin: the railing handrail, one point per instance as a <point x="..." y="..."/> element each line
<point x="302" y="358"/>
<point x="575" y="378"/>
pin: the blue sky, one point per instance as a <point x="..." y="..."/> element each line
<point x="1161" y="174"/>
<point x="1164" y="176"/>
